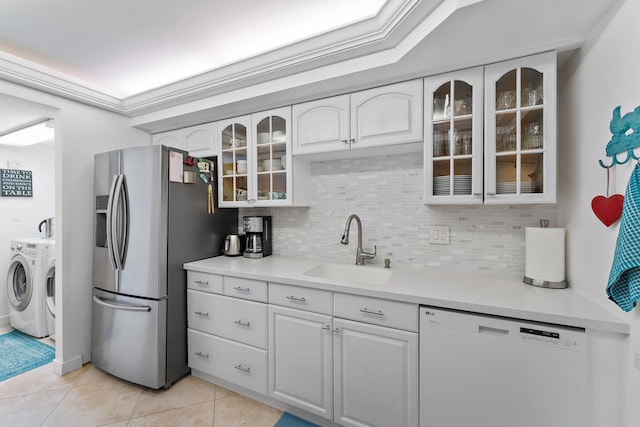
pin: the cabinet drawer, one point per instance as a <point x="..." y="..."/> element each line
<point x="239" y="320"/>
<point x="308" y="299"/>
<point x="238" y="363"/>
<point x="255" y="290"/>
<point x="395" y="314"/>
<point x="204" y="282"/>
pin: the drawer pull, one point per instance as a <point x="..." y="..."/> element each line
<point x="295" y="298"/>
<point x="241" y="289"/>
<point x="200" y="282"/>
<point x="243" y="368"/>
<point x="200" y="313"/>
<point x="203" y="355"/>
<point x="367" y="311"/>
<point x="241" y="323"/>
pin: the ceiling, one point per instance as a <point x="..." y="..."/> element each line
<point x="168" y="64"/>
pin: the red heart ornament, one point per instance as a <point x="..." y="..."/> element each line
<point x="608" y="209"/>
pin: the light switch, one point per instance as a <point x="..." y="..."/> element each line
<point x="439" y="234"/>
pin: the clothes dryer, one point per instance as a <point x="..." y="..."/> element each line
<point x="25" y="285"/>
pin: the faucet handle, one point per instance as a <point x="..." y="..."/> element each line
<point x="369" y="255"/>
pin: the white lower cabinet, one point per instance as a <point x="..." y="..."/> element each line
<point x="354" y="373"/>
<point x="375" y="375"/>
<point x="301" y="359"/>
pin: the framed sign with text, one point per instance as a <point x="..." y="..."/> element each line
<point x="16" y="183"/>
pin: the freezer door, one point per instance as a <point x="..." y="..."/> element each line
<point x="129" y="338"/>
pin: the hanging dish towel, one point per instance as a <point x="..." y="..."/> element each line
<point x="624" y="280"/>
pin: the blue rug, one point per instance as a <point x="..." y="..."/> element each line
<point x="288" y="420"/>
<point x="20" y="353"/>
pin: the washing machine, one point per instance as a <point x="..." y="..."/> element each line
<point x="50" y="292"/>
<point x="26" y="282"/>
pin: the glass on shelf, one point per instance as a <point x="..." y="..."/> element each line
<point x="531" y="87"/>
<point x="506" y="91"/>
<point x="441" y="140"/>
<point x="462" y="104"/>
<point x="532" y="173"/>
<point x="441" y="102"/>
<point x="531" y="129"/>
<point x="506" y="132"/>
<point x="462" y="137"/>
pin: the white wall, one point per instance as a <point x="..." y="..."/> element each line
<point x="20" y="216"/>
<point x="81" y="131"/>
<point x="604" y="74"/>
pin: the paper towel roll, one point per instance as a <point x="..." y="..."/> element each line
<point x="544" y="256"/>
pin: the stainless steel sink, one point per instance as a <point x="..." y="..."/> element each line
<point x="350" y="273"/>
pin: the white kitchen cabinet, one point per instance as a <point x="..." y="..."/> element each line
<point x="516" y="164"/>
<point x="255" y="165"/>
<point x="453" y="152"/>
<point x="375" y="375"/>
<point x="382" y="116"/>
<point x="520" y="130"/>
<point x="172" y="138"/>
<point x="199" y="140"/>
<point x="301" y="359"/>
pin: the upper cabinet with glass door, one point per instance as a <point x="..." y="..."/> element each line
<point x="520" y="144"/>
<point x="255" y="160"/>
<point x="453" y="137"/>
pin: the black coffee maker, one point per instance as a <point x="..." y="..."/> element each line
<point x="257" y="231"/>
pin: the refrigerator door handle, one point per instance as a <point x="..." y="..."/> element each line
<point x="119" y="222"/>
<point x="123" y="235"/>
<point x="110" y="216"/>
<point x="124" y="307"/>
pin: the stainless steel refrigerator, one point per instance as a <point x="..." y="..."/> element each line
<point x="148" y="223"/>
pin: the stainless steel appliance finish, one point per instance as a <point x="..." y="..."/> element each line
<point x="480" y="370"/>
<point x="145" y="228"/>
<point x="258" y="236"/>
<point x="361" y="255"/>
<point x="232" y="245"/>
<point x="49" y="227"/>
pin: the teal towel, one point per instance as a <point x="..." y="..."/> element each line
<point x="624" y="280"/>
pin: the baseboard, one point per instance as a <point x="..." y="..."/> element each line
<point x="4" y="320"/>
<point x="63" y="368"/>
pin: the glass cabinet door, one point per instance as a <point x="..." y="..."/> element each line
<point x="272" y="156"/>
<point x="520" y="114"/>
<point x="453" y="137"/>
<point x="234" y="161"/>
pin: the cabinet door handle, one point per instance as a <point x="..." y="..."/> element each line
<point x="200" y="313"/>
<point x="491" y="194"/>
<point x="352" y="140"/>
<point x="203" y="355"/>
<point x="367" y="311"/>
<point x="241" y="323"/>
<point x="203" y="283"/>
<point x="294" y="298"/>
<point x="241" y="289"/>
<point x="336" y="330"/>
<point x="246" y="369"/>
<point x="346" y="141"/>
<point x="326" y="327"/>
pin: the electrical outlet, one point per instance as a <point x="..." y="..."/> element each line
<point x="439" y="234"/>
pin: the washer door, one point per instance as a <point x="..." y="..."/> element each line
<point x="51" y="290"/>
<point x="20" y="283"/>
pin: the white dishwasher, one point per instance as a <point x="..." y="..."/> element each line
<point x="483" y="371"/>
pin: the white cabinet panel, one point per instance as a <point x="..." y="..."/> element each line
<point x="322" y="125"/>
<point x="316" y="300"/>
<point x="201" y="140"/>
<point x="239" y="287"/>
<point x="204" y="282"/>
<point x="395" y="314"/>
<point x="301" y="359"/>
<point x="171" y="138"/>
<point x="375" y="375"/>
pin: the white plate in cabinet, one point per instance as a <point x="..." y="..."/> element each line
<point x="238" y="287"/>
<point x="394" y="314"/>
<point x="204" y="282"/>
<point x="237" y="363"/>
<point x="316" y="300"/>
<point x="239" y="320"/>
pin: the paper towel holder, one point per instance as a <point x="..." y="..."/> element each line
<point x="544" y="223"/>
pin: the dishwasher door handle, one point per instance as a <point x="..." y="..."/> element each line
<point x="493" y="331"/>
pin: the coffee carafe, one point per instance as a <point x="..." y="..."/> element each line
<point x="258" y="236"/>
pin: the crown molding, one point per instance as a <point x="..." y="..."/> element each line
<point x="390" y="29"/>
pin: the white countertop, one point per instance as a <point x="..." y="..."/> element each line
<point x="496" y="295"/>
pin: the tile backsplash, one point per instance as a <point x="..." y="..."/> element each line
<point x="386" y="193"/>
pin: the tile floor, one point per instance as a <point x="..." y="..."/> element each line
<point x="89" y="397"/>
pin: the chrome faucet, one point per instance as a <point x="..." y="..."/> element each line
<point x="361" y="255"/>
